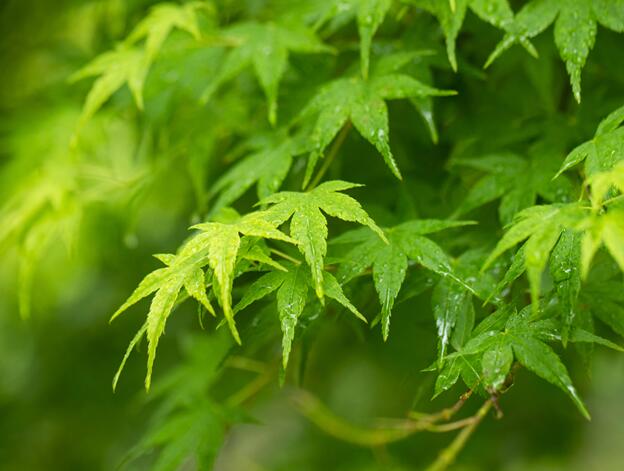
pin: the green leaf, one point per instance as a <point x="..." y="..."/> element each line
<point x="159" y="311"/>
<point x="517" y="181"/>
<point x="536" y="255"/>
<point x="577" y="155"/>
<point x="426" y="252"/>
<point x="575" y="34"/>
<point x="188" y="424"/>
<point x="451" y="17"/>
<point x="389" y="262"/>
<point x="496" y="363"/>
<point x="389" y="270"/>
<point x="607" y="229"/>
<point x="195" y="286"/>
<point x="540" y="220"/>
<point x="266" y="47"/>
<point x="542" y="226"/>
<point x="222" y="241"/>
<point x="610" y="14"/>
<point x="363" y="103"/>
<point x="532" y="19"/>
<point x="161" y="20"/>
<point x="113" y="69"/>
<point x="267" y="168"/>
<point x="602" y="184"/>
<point x="135" y="340"/>
<point x="222" y="251"/>
<point x="515" y="270"/>
<point x="614" y="120"/>
<point x="448" y="376"/>
<point x="603" y="152"/>
<point x="565" y="266"/>
<point x="539" y="358"/>
<point x="151" y="283"/>
<point x="370" y="15"/>
<point x="129" y="64"/>
<point x="580" y="335"/>
<point x="262" y="287"/>
<point x="334" y="291"/>
<point x="309" y="226"/>
<point x="452" y="306"/>
<point x="216" y="245"/>
<point x="291" y="299"/>
<point x="495" y="321"/>
<point x="607" y="310"/>
<point x="575" y="30"/>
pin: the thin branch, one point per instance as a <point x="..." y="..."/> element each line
<point x="449" y="454"/>
<point x="337" y="427"/>
<point x="384" y="433"/>
<point x="444" y="414"/>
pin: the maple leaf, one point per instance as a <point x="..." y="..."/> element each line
<point x="451" y="16"/>
<point x="113" y="69"/>
<point x="603" y="157"/>
<point x="604" y="184"/>
<point x="389" y="261"/>
<point x="292" y="296"/>
<point x="362" y="102"/>
<point x="599" y="229"/>
<point x="308" y="225"/>
<point x="369" y="15"/>
<point x="603" y="151"/>
<point x="575" y="30"/>
<point x="565" y="262"/>
<point x="188" y="422"/>
<point x="164" y="18"/>
<point x="266" y="47"/>
<point x="266" y="167"/>
<point x="452" y="301"/>
<point x="505" y="335"/>
<point x="518" y="182"/>
<point x="603" y="297"/>
<point x="542" y="227"/>
<point x="129" y="64"/>
<point x="217" y="246"/>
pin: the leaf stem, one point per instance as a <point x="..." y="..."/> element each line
<point x="246" y="364"/>
<point x="285" y="256"/>
<point x="444" y="414"/>
<point x="250" y="389"/>
<point x="615" y="199"/>
<point x="448" y="455"/>
<point x="333" y="152"/>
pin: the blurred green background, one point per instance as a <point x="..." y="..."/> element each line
<point x="83" y="242"/>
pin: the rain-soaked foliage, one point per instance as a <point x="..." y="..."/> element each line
<point x="386" y="235"/>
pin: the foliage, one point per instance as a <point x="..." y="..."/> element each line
<point x="497" y="228"/>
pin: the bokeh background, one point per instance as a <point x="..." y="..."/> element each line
<point x="81" y="243"/>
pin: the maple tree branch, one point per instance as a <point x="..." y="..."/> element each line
<point x="311" y="407"/>
<point x="449" y="454"/>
